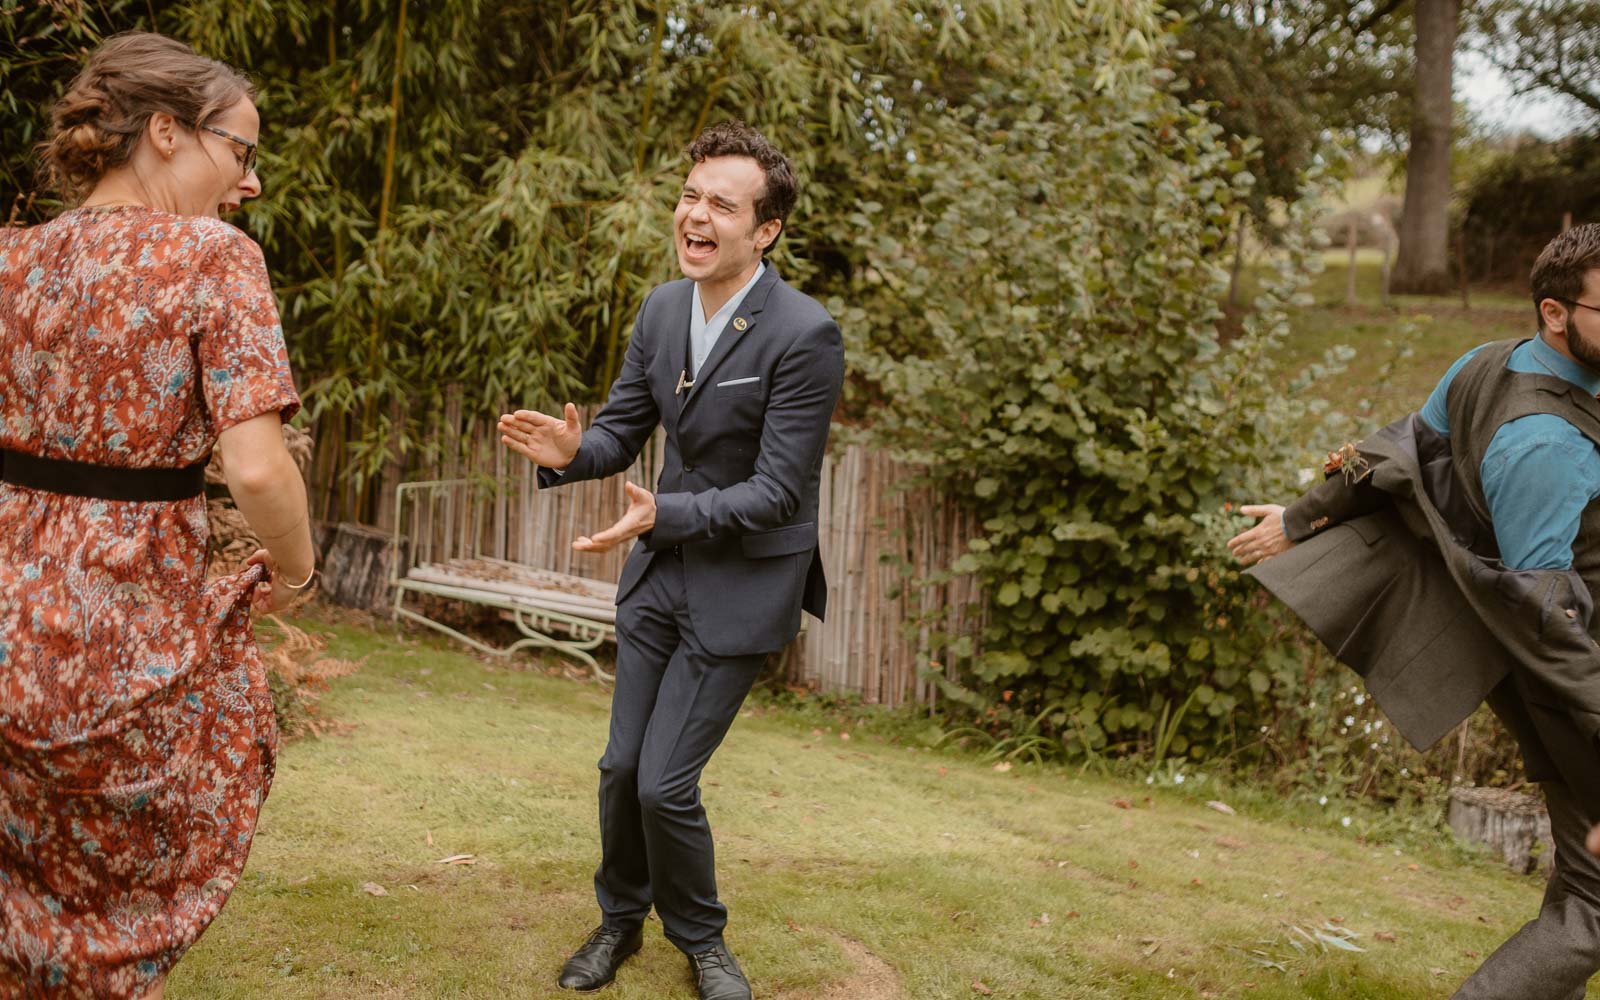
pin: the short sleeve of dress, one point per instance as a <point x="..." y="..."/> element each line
<point x="244" y="363"/>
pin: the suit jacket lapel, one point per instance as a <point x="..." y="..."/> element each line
<point x="746" y="318"/>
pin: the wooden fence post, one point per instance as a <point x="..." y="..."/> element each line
<point x="1350" y="280"/>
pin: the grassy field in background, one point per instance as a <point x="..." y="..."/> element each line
<point x="1436" y="331"/>
<point x="853" y="867"/>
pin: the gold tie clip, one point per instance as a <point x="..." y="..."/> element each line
<point x="684" y="382"/>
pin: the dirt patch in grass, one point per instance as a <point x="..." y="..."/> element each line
<point x="870" y="978"/>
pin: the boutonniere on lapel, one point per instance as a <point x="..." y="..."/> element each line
<point x="1347" y="460"/>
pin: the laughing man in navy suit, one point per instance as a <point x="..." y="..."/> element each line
<point x="743" y="371"/>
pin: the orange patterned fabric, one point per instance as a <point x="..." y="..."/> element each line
<point x="136" y="732"/>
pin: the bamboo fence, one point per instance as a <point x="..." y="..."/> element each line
<point x="885" y="540"/>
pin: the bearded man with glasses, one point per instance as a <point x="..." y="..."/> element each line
<point x="1453" y="557"/>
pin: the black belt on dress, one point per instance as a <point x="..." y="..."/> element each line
<point x="101" y="482"/>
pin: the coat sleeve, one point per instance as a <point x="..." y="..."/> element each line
<point x="1335" y="500"/>
<point x="805" y="387"/>
<point x="612" y="443"/>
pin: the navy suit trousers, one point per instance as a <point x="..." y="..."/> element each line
<point x="672" y="706"/>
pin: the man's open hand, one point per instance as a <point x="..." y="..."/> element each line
<point x="548" y="441"/>
<point x="639" y="518"/>
<point x="1263" y="541"/>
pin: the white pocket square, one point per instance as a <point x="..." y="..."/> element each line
<point x="739" y="381"/>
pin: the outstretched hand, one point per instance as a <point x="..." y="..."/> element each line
<point x="548" y="441"/>
<point x="1263" y="541"/>
<point x="639" y="518"/>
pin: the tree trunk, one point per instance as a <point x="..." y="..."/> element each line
<point x="1423" y="264"/>
<point x="1512" y="825"/>
<point x="357" y="566"/>
<point x="1238" y="263"/>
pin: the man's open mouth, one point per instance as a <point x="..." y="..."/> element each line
<point x="699" y="246"/>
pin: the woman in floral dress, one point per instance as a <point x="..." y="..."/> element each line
<point x="137" y="331"/>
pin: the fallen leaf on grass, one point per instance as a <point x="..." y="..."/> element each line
<point x="1003" y="766"/>
<point x="1384" y="936"/>
<point x="792" y="925"/>
<point x="430" y="838"/>
<point x="1122" y="803"/>
<point x="1221" y="807"/>
<point x="978" y="987"/>
<point x="374" y="889"/>
<point x="1042" y="920"/>
<point x="458" y="859"/>
<point x="1151" y="946"/>
<point x="1230" y="843"/>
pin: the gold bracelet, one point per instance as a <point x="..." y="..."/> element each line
<point x="301" y="586"/>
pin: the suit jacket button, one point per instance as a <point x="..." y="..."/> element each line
<point x="688" y="468"/>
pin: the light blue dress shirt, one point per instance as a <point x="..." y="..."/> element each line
<point x="1539" y="472"/>
<point x="703" y="333"/>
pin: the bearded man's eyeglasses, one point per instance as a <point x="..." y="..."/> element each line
<point x="249" y="163"/>
<point x="1575" y="302"/>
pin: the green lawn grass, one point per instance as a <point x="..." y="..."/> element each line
<point x="853" y="867"/>
<point x="1437" y="330"/>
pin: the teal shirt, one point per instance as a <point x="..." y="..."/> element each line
<point x="1540" y="472"/>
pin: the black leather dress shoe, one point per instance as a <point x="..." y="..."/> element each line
<point x="595" y="963"/>
<point x="718" y="976"/>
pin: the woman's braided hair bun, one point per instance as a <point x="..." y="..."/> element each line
<point x="98" y="123"/>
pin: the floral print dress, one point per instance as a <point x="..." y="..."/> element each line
<point x="136" y="732"/>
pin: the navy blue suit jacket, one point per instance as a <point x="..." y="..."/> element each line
<point x="738" y="490"/>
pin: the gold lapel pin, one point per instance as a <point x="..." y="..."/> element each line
<point x="684" y="382"/>
<point x="740" y="323"/>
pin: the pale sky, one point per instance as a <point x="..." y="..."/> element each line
<point x="1487" y="92"/>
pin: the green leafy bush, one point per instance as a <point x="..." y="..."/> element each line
<point x="1042" y="330"/>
